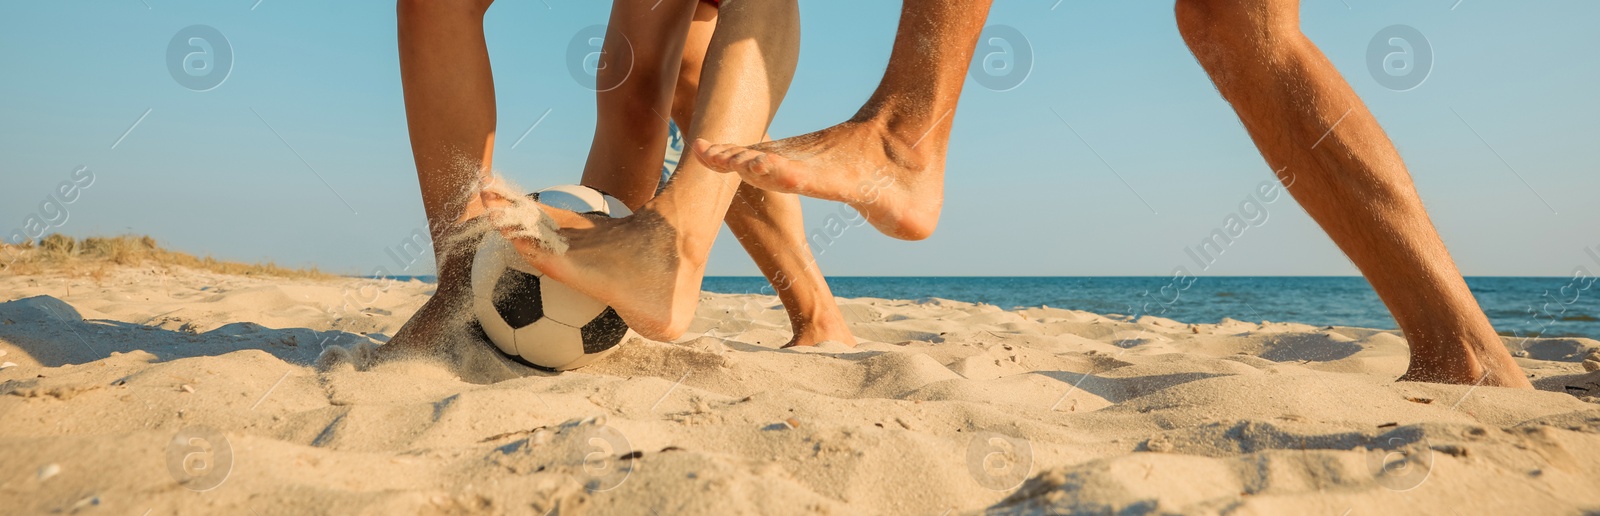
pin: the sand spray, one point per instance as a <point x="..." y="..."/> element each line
<point x="455" y="343"/>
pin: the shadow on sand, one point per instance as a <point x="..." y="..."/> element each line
<point x="51" y="333"/>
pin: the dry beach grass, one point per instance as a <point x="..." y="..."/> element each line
<point x="94" y="256"/>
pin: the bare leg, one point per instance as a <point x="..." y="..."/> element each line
<point x="888" y="161"/>
<point x="1353" y="183"/>
<point x="767" y="224"/>
<point x="625" y="158"/>
<point x="649" y="266"/>
<point x="449" y="97"/>
<point x="696" y="42"/>
<point x="631" y="127"/>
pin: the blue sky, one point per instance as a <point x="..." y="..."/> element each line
<point x="1161" y="162"/>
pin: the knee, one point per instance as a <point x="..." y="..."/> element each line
<point x="423" y="11"/>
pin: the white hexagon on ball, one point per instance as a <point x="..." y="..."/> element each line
<point x="534" y="342"/>
<point x="567" y="306"/>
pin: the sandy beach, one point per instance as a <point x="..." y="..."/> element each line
<point x="1039" y="258"/>
<point x="168" y="390"/>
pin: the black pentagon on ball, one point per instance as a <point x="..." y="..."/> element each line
<point x="604" y="332"/>
<point x="516" y="299"/>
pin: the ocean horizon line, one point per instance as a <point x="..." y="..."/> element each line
<point x="433" y="277"/>
<point x="1548" y="306"/>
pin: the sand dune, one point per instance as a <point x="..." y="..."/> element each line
<point x="190" y="392"/>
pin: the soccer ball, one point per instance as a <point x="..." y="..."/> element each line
<point x="534" y="319"/>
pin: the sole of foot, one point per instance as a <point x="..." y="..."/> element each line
<point x="895" y="182"/>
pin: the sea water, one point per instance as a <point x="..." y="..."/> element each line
<point x="1518" y="306"/>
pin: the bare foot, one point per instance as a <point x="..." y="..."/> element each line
<point x="1489" y="364"/>
<point x="434" y="323"/>
<point x="440" y="318"/>
<point x="896" y="181"/>
<point x="814" y="333"/>
<point x="635" y="264"/>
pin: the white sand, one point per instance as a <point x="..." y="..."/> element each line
<point x="945" y="406"/>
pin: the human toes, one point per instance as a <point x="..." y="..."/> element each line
<point x="494" y="197"/>
<point x="749" y="161"/>
<point x="718" y="156"/>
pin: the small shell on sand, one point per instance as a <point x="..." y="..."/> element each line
<point x="7" y="365"/>
<point x="49" y="470"/>
<point x="187" y="388"/>
<point x="87" y="501"/>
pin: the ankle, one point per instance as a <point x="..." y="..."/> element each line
<point x="694" y="249"/>
<point x="820" y="325"/>
<point x="812" y="337"/>
<point x="1466" y="354"/>
<point x="1462" y="368"/>
<point x="902" y="121"/>
<point x="665" y="214"/>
